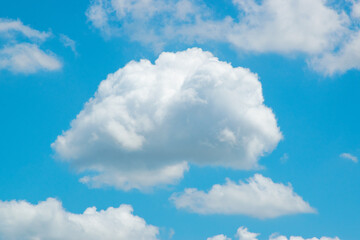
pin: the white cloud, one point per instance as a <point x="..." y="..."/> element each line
<point x="147" y="120"/>
<point x="259" y="197"/>
<point x="349" y="156"/>
<point x="281" y="26"/>
<point x="98" y="16"/>
<point x="27" y="58"/>
<point x="325" y="34"/>
<point x="241" y="234"/>
<point x="9" y="28"/>
<point x="219" y="237"/>
<point x="154" y="22"/>
<point x="227" y="135"/>
<point x="24" y="56"/>
<point x="347" y="54"/>
<point x="68" y="42"/>
<point x="244" y="234"/>
<point x="137" y="178"/>
<point x="48" y="220"/>
<point x="280" y="237"/>
<point x="346" y="58"/>
<point x="286" y="26"/>
<point x="355" y="9"/>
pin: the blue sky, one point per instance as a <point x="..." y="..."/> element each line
<point x="305" y="134"/>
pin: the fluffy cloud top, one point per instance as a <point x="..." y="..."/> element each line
<point x="25" y="56"/>
<point x="146" y="121"/>
<point x="48" y="220"/>
<point x="311" y="27"/>
<point x="244" y="234"/>
<point x="259" y="197"/>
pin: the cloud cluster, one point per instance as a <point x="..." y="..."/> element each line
<point x="326" y="34"/>
<point x="259" y="197"/>
<point x="147" y="121"/>
<point x="21" y="52"/>
<point x="48" y="220"/>
<point x="244" y="234"/>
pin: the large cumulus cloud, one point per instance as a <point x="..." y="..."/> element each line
<point x="48" y="220"/>
<point x="147" y="121"/>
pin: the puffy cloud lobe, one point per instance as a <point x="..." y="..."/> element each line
<point x="347" y="54"/>
<point x="48" y="220"/>
<point x="355" y="10"/>
<point x="285" y="26"/>
<point x="260" y="197"/>
<point x="24" y="56"/>
<point x="147" y="120"/>
<point x="346" y="58"/>
<point x="137" y="178"/>
<point x="244" y="234"/>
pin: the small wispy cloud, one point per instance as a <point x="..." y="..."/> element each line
<point x="349" y="156"/>
<point x="284" y="158"/>
<point x="68" y="42"/>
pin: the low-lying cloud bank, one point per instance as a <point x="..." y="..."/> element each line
<point x="259" y="197"/>
<point x="147" y="121"/>
<point x="244" y="234"/>
<point x="48" y="220"/>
